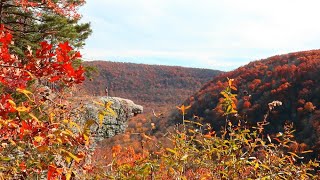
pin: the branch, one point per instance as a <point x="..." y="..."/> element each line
<point x="24" y="15"/>
<point x="21" y="31"/>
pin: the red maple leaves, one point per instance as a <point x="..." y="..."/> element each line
<point x="47" y="63"/>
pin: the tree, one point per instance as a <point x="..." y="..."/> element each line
<point x="38" y="137"/>
<point x="35" y="131"/>
<point x="31" y="22"/>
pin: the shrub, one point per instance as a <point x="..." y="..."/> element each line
<point x="37" y="135"/>
<point x="237" y="152"/>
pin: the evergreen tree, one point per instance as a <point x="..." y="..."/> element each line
<point x="54" y="21"/>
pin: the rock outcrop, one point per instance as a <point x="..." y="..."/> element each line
<point x="110" y="124"/>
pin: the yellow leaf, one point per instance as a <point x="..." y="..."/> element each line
<point x="295" y="155"/>
<point x="101" y="117"/>
<point x="309" y="151"/>
<point x="111" y="112"/>
<point x="229" y="108"/>
<point x="191" y="131"/>
<point x="25" y="92"/>
<point x="51" y="116"/>
<point x="224" y="95"/>
<point x="68" y="132"/>
<point x="257" y="165"/>
<point x="99" y="103"/>
<point x="12" y="142"/>
<point x="267" y="167"/>
<point x="68" y="159"/>
<point x="12" y="103"/>
<point x="59" y="140"/>
<point x="86" y="138"/>
<point x="73" y="124"/>
<point x="71" y="155"/>
<point x="68" y="175"/>
<point x="22" y="109"/>
<point x="31" y="75"/>
<point x="108" y="104"/>
<point x="233" y="111"/>
<point x="183" y="178"/>
<point x="171" y="150"/>
<point x="199" y="124"/>
<point x="50" y="136"/>
<point x="33" y="117"/>
<point x="38" y="139"/>
<point x="74" y="157"/>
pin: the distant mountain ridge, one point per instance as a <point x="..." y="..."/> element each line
<point x="148" y="85"/>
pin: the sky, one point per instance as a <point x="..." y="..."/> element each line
<point x="213" y="34"/>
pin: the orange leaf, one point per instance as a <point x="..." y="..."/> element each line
<point x="183" y="108"/>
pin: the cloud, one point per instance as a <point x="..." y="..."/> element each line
<point x="222" y="34"/>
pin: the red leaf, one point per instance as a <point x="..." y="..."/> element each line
<point x="54" y="78"/>
<point x="51" y="172"/>
<point x="65" y="46"/>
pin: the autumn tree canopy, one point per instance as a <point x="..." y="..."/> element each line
<point x="31" y="22"/>
<point x="37" y="135"/>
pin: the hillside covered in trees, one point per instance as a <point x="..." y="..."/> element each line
<point x="148" y="85"/>
<point x="260" y="133"/>
<point x="292" y="79"/>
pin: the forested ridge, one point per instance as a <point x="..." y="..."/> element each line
<point x="148" y="85"/>
<point x="291" y="78"/>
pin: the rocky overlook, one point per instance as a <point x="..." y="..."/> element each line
<point x="110" y="115"/>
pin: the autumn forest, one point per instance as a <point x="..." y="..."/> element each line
<point x="65" y="118"/>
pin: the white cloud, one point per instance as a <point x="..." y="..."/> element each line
<point x="208" y="31"/>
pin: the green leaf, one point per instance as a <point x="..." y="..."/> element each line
<point x="3" y="158"/>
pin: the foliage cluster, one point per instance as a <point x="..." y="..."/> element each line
<point x="199" y="152"/>
<point x="38" y="137"/>
<point x="291" y="78"/>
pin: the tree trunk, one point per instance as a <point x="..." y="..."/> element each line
<point x="1" y="4"/>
